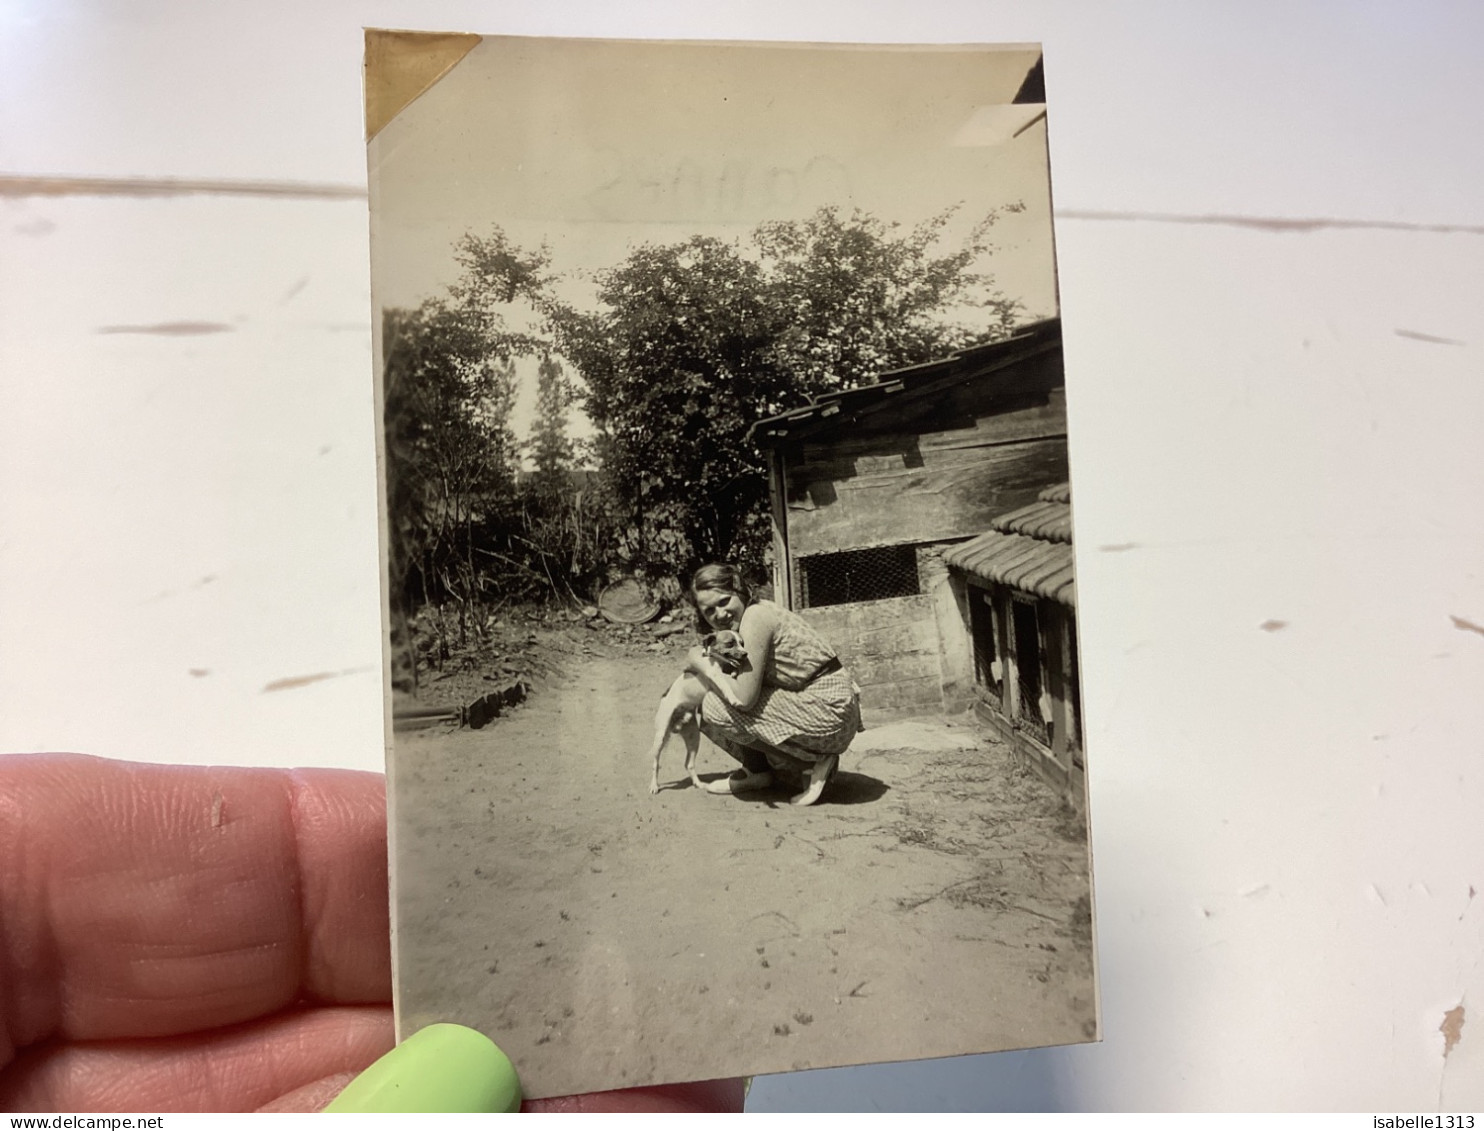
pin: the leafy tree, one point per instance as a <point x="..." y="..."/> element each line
<point x="498" y="273"/>
<point x="449" y="388"/>
<point x="551" y="449"/>
<point x="564" y="530"/>
<point x="676" y="367"/>
<point x="864" y="296"/>
<point x="694" y="341"/>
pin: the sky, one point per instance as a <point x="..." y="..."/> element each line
<point x="596" y="146"/>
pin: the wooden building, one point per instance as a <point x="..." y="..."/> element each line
<point x="871" y="486"/>
<point x="1019" y="594"/>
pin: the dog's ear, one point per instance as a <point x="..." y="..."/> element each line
<point x="708" y="639"/>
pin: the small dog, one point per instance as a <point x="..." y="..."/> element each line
<point x="680" y="703"/>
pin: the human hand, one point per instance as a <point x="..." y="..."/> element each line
<point x="203" y="939"/>
<point x="450" y="1068"/>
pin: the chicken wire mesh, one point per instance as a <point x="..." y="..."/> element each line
<point x="858" y="575"/>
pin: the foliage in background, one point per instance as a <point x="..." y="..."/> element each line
<point x="449" y="387"/>
<point x="678" y="362"/>
<point x="862" y="296"/>
<point x="693" y="342"/>
<point x="551" y="450"/>
<point x="689" y="344"/>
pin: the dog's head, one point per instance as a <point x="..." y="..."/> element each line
<point x="725" y="647"/>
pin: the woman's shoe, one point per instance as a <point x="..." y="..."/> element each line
<point x="819" y="774"/>
<point x="741" y="781"/>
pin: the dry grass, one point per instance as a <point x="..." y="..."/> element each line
<point x="1008" y="840"/>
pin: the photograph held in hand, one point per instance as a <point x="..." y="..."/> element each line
<point x="734" y="715"/>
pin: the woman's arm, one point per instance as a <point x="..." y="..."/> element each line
<point x="757" y="628"/>
<point x="740" y="690"/>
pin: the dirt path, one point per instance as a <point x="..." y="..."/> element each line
<point x="933" y="903"/>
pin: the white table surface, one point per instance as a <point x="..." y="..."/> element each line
<point x="1268" y="424"/>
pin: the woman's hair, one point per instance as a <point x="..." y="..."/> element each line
<point x="727" y="578"/>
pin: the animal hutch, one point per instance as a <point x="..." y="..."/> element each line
<point x="870" y="486"/>
<point x="1020" y="594"/>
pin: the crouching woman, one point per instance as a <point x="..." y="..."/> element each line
<point x="794" y="707"/>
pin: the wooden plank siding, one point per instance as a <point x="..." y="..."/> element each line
<point x="783" y="582"/>
<point x="925" y="461"/>
<point x="893" y="488"/>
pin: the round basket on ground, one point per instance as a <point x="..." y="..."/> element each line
<point x="627" y="602"/>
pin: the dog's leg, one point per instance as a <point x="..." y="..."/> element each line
<point x="663" y="717"/>
<point x="692" y="692"/>
<point x="690" y="734"/>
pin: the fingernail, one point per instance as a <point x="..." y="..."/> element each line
<point x="441" y="1068"/>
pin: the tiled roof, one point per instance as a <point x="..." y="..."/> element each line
<point x="1051" y="521"/>
<point x="1027" y="564"/>
<point x="1029" y="549"/>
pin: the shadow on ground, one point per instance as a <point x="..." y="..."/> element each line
<point x="845" y="788"/>
<point x="850" y="788"/>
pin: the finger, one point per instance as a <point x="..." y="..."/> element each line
<point x="295" y="1058"/>
<point x="147" y="901"/>
<point x="706" y="1095"/>
<point x="311" y="1097"/>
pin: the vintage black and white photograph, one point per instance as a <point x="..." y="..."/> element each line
<point x="734" y="717"/>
